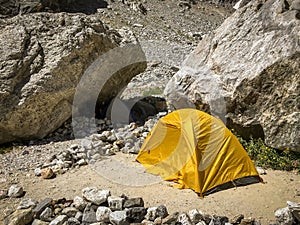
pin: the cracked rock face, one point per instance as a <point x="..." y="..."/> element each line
<point x="42" y="58"/>
<point x="248" y="72"/>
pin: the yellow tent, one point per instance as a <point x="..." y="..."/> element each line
<point x="197" y="151"/>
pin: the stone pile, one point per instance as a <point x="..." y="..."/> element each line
<point x="125" y="138"/>
<point x="100" y="207"/>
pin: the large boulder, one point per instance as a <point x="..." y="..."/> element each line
<point x="43" y="57"/>
<point x="248" y="72"/>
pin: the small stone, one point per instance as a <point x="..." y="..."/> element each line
<point x="47" y="173"/>
<point x="237" y="219"/>
<point x="81" y="162"/>
<point x="184" y="219"/>
<point x="284" y="216"/>
<point x="247" y="221"/>
<point x="69" y="211"/>
<point x="294" y="209"/>
<point x="133" y="202"/>
<point x="203" y="223"/>
<point x="171" y="219"/>
<point x="20" y="217"/>
<point x="261" y="171"/>
<point x="151" y="214"/>
<point x="27" y="203"/>
<point x="59" y="220"/>
<point x="78" y="216"/>
<point x="220" y="219"/>
<point x="89" y="214"/>
<point x="95" y="196"/>
<point x="158" y="221"/>
<point x="37" y="172"/>
<point x="74" y="146"/>
<point x="115" y="203"/>
<point x="73" y="221"/>
<point x="162" y="211"/>
<point x="41" y="206"/>
<point x="195" y="216"/>
<point x="79" y="203"/>
<point x="136" y="214"/>
<point x="47" y="214"/>
<point x="3" y="194"/>
<point x="118" y="218"/>
<point x="102" y="214"/>
<point x="39" y="222"/>
<point x="15" y="191"/>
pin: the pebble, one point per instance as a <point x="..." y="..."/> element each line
<point x="27" y="203"/>
<point x="59" y="220"/>
<point x="15" y="191"/>
<point x="47" y="173"/>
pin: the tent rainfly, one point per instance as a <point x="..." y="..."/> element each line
<point x="196" y="150"/>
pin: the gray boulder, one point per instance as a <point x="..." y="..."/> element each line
<point x="247" y="73"/>
<point x="43" y="57"/>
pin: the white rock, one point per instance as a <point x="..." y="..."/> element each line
<point x="59" y="220"/>
<point x="195" y="216"/>
<point x="118" y="218"/>
<point x="151" y="213"/>
<point x="15" y="191"/>
<point x="94" y="195"/>
<point x="184" y="219"/>
<point x="284" y="216"/>
<point x="102" y="214"/>
<point x="27" y="203"/>
<point x="79" y="203"/>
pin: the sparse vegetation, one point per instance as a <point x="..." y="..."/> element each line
<point x="267" y="157"/>
<point x="153" y="91"/>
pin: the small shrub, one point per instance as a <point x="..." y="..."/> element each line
<point x="267" y="157"/>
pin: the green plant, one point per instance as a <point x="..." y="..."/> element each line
<point x="267" y="157"/>
<point x="153" y="91"/>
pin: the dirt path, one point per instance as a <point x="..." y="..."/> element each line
<point x="257" y="200"/>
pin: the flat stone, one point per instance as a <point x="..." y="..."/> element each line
<point x="95" y="196"/>
<point x="171" y="219"/>
<point x="73" y="221"/>
<point x="47" y="214"/>
<point x="20" y="217"/>
<point x="59" y="220"/>
<point x="133" y="202"/>
<point x="15" y="191"/>
<point x="27" y="203"/>
<point x="237" y="219"/>
<point x="78" y="216"/>
<point x="39" y="222"/>
<point x="102" y="214"/>
<point x="41" y="206"/>
<point x="115" y="203"/>
<point x="70" y="211"/>
<point x="136" y="214"/>
<point x="118" y="218"/>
